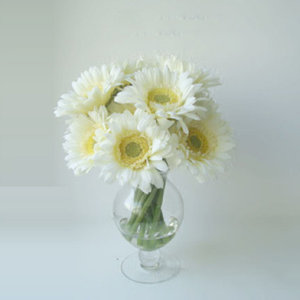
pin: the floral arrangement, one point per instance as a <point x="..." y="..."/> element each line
<point x="135" y="121"/>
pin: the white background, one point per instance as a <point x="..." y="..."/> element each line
<point x="240" y="236"/>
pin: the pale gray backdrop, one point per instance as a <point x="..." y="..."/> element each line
<point x="240" y="236"/>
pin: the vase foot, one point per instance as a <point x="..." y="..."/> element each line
<point x="169" y="266"/>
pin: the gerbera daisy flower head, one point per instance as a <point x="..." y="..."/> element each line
<point x="129" y="67"/>
<point x="200" y="76"/>
<point x="135" y="151"/>
<point x="93" y="88"/>
<point x="207" y="145"/>
<point x="164" y="93"/>
<point x="82" y="138"/>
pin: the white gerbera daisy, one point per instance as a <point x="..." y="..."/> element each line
<point x="200" y="76"/>
<point x="162" y="92"/>
<point x="206" y="147"/>
<point x="135" y="150"/>
<point x="82" y="138"/>
<point x="130" y="67"/>
<point x="93" y="88"/>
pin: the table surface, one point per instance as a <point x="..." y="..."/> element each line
<point x="222" y="257"/>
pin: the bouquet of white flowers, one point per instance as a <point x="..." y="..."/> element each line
<point x="136" y="121"/>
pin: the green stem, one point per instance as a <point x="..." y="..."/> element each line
<point x="148" y="200"/>
<point x="140" y="239"/>
<point x="157" y="211"/>
<point x="147" y="219"/>
<point x="139" y="198"/>
<point x="158" y="223"/>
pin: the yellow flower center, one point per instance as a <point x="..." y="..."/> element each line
<point x="161" y="96"/>
<point x="132" y="150"/>
<point x="88" y="145"/>
<point x="198" y="143"/>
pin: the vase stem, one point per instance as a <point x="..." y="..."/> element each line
<point x="149" y="260"/>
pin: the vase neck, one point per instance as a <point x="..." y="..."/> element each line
<point x="149" y="260"/>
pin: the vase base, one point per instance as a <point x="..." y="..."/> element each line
<point x="169" y="266"/>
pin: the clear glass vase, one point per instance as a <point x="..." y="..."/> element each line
<point x="149" y="222"/>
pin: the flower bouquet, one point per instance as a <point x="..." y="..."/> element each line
<point x="136" y="121"/>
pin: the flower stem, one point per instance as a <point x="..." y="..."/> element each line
<point x="147" y="202"/>
<point x="146" y="222"/>
<point x="139" y="198"/>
